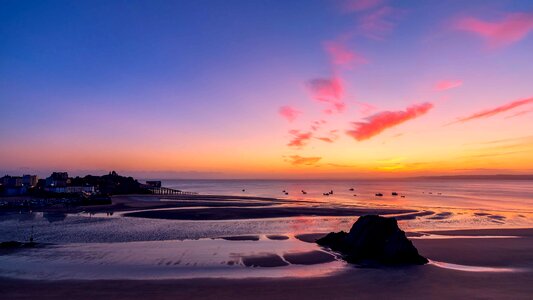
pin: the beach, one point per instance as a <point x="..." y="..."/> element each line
<point x="256" y="245"/>
<point x="429" y="281"/>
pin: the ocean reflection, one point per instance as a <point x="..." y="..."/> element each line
<point x="466" y="268"/>
<point x="173" y="259"/>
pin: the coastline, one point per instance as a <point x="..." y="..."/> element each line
<point x="423" y="281"/>
<point x="478" y="262"/>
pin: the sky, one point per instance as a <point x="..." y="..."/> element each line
<point x="267" y="89"/>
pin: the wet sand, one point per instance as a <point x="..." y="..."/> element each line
<point x="427" y="281"/>
<point x="123" y="203"/>
<point x="220" y="207"/>
<point x="236" y="213"/>
<point x="308" y="258"/>
<point x="430" y="282"/>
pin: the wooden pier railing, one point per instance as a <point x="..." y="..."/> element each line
<point x="168" y="191"/>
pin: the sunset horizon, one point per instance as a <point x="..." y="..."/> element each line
<point x="350" y="104"/>
<point x="266" y="149"/>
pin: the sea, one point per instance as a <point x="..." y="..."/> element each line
<point x="485" y="195"/>
<point x="113" y="246"/>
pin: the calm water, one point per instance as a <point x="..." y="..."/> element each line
<point x="512" y="196"/>
<point x="85" y="246"/>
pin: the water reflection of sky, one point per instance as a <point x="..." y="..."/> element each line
<point x="507" y="195"/>
<point x="164" y="260"/>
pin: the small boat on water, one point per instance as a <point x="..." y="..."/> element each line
<point x="379" y="194"/>
<point x="394" y="194"/>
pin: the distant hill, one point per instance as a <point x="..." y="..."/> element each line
<point x="479" y="177"/>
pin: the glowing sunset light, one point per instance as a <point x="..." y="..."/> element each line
<point x="312" y="89"/>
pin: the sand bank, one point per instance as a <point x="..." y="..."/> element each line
<point x="427" y="281"/>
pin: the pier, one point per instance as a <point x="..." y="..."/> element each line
<point x="168" y="191"/>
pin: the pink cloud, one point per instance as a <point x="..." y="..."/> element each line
<point x="512" y="28"/>
<point x="328" y="90"/>
<point x="325" y="139"/>
<point x="299" y="139"/>
<point x="359" y="5"/>
<point x="300" y="160"/>
<point x="342" y="56"/>
<point x="366" y="108"/>
<point x="317" y="124"/>
<point x="377" y="123"/>
<point x="520" y="113"/>
<point x="289" y="113"/>
<point x="496" y="110"/>
<point x="447" y="84"/>
<point x="332" y="136"/>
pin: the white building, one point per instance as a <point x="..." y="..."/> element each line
<point x="71" y="189"/>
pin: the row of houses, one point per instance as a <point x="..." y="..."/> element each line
<point x="57" y="182"/>
<point x="19" y="181"/>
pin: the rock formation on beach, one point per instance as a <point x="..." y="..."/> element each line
<point x="374" y="239"/>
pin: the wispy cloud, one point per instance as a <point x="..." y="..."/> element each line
<point x="301" y="160"/>
<point x="299" y="139"/>
<point x="522" y="139"/>
<point x="511" y="146"/>
<point x="359" y="5"/>
<point x="494" y="111"/>
<point x="365" y="108"/>
<point x="328" y="90"/>
<point x="378" y="23"/>
<point x="316" y="125"/>
<point x="340" y="55"/>
<point x="375" y="18"/>
<point x="330" y="138"/>
<point x="377" y="123"/>
<point x="289" y="113"/>
<point x="447" y="84"/>
<point x="520" y="113"/>
<point x="325" y="139"/>
<point x="512" y="28"/>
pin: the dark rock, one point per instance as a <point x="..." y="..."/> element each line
<point x="374" y="239"/>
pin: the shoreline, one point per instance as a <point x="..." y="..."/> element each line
<point x="219" y="207"/>
<point x="427" y="281"/>
<point x="475" y="249"/>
